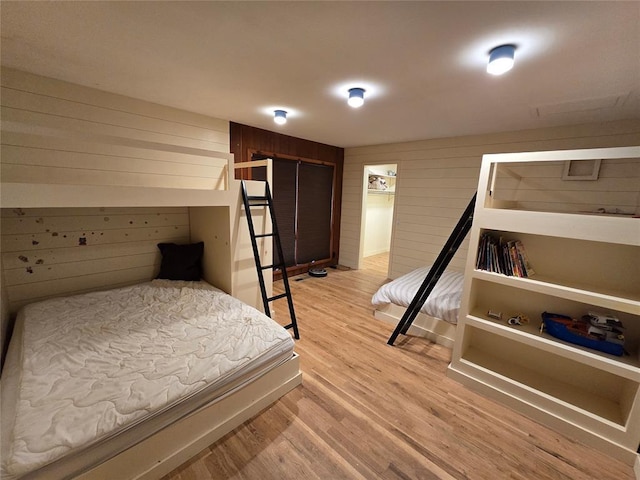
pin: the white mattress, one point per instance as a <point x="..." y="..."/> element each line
<point x="443" y="302"/>
<point x="85" y="371"/>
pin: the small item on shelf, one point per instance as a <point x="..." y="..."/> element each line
<point x="519" y="319"/>
<point x="377" y="183"/>
<point x="614" y="211"/>
<point x="607" y="321"/>
<point x="582" y="332"/>
<point x="494" y="315"/>
<point x="605" y="326"/>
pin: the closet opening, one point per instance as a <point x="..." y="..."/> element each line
<point x="379" y="188"/>
<point x="303" y="201"/>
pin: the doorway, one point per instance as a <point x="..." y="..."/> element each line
<point x="379" y="188"/>
<point x="303" y="200"/>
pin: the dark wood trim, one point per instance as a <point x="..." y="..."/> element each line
<point x="283" y="156"/>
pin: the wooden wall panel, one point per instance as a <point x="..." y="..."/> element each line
<point x="57" y="132"/>
<point x="244" y="138"/>
<point x="55" y="251"/>
<point x="436" y="179"/>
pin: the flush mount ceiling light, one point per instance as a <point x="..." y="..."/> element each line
<point x="280" y="117"/>
<point x="501" y="59"/>
<point x="356" y="97"/>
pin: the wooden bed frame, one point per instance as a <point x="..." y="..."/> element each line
<point x="435" y="329"/>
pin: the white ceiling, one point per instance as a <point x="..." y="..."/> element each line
<point x="422" y="63"/>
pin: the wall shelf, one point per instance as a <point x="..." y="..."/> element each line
<point x="627" y="366"/>
<point x="625" y="301"/>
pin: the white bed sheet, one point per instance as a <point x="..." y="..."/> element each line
<point x="443" y="302"/>
<point x="92" y="366"/>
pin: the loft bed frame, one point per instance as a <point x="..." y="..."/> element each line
<point x="223" y="231"/>
<point x="215" y="216"/>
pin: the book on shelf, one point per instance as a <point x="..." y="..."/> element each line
<point x="504" y="257"/>
<point x="522" y="255"/>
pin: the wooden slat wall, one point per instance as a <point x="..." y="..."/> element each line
<point x="55" y="251"/>
<point x="57" y="132"/>
<point x="436" y="179"/>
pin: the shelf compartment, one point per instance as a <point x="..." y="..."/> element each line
<point x="539" y="184"/>
<point x="627" y="366"/>
<point x="611" y="300"/>
<point x="510" y="301"/>
<point x="572" y="383"/>
<point x="582" y="268"/>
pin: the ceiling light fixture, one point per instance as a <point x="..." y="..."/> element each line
<point x="280" y="117"/>
<point x="356" y="97"/>
<point x="501" y="59"/>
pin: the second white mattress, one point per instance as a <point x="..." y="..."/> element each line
<point x="443" y="302"/>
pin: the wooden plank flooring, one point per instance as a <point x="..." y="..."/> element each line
<point x="366" y="410"/>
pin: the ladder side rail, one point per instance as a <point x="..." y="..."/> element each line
<point x="444" y="258"/>
<point x="285" y="276"/>
<point x="440" y="265"/>
<point x="435" y="272"/>
<point x="256" y="253"/>
<point x="442" y="262"/>
<point x="418" y="300"/>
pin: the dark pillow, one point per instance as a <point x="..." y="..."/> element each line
<point x="181" y="262"/>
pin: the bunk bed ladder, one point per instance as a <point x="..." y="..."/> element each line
<point x="448" y="251"/>
<point x="267" y="201"/>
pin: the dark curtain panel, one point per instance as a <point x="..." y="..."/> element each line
<point x="315" y="191"/>
<point x="284" y="206"/>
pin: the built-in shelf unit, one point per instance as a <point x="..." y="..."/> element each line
<point x="584" y="261"/>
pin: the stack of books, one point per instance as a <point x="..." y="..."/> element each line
<point x="505" y="257"/>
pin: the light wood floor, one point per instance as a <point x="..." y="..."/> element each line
<point x="378" y="264"/>
<point x="368" y="411"/>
